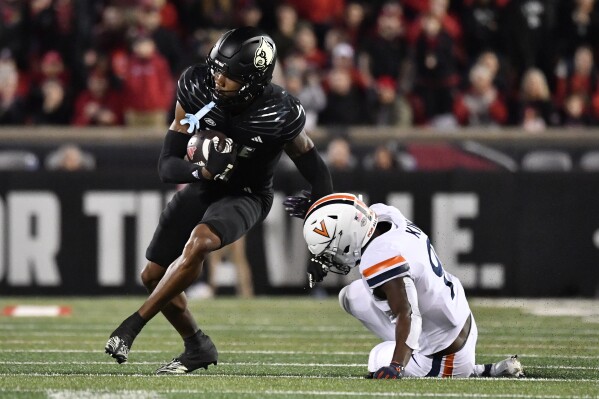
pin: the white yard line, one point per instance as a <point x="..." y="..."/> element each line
<point x="291" y="377"/>
<point x="155" y="394"/>
<point x="262" y="364"/>
<point x="275" y="352"/>
<point x="73" y="394"/>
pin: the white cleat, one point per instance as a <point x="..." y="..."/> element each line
<point x="510" y="367"/>
<point x="174" y="367"/>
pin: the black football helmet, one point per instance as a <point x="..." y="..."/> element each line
<point x="246" y="55"/>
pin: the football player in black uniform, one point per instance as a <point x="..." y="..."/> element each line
<point x="231" y="193"/>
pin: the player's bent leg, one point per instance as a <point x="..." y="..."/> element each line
<point x="510" y="368"/>
<point x="380" y="356"/>
<point x="355" y="300"/>
<point x="176" y="311"/>
<point x="183" y="272"/>
<point x="456" y="365"/>
<point x="199" y="348"/>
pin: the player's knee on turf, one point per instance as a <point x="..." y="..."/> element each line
<point x="343" y="302"/>
<point x="381" y="355"/>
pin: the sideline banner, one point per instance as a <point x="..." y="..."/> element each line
<point x="500" y="233"/>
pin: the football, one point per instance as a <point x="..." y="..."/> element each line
<point x="198" y="149"/>
<point x="198" y="146"/>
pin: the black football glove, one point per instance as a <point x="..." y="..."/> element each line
<point x="316" y="272"/>
<point x="394" y="371"/>
<point x="298" y="205"/>
<point x="221" y="159"/>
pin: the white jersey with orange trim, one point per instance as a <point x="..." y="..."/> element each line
<point x="405" y="250"/>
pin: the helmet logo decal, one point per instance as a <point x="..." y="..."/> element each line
<point x="323" y="230"/>
<point x="190" y="152"/>
<point x="264" y="55"/>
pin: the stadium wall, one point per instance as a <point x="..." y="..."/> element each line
<point x="516" y="234"/>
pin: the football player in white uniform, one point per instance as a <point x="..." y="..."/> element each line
<point x="405" y="297"/>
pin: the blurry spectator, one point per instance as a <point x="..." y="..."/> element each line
<point x="574" y="112"/>
<point x="383" y="53"/>
<point x="481" y="105"/>
<point x="109" y="40"/>
<point x="52" y="25"/>
<point x="148" y="85"/>
<point x="352" y="27"/>
<point x="12" y="105"/>
<point x="343" y="58"/>
<point x="307" y="88"/>
<point x="109" y="35"/>
<point x="494" y="64"/>
<point x="286" y="26"/>
<point x="210" y="14"/>
<point x="436" y="74"/>
<point x="387" y="106"/>
<point x="530" y="33"/>
<point x="439" y="9"/>
<point x="386" y="157"/>
<point x="43" y="26"/>
<point x="169" y="15"/>
<point x="578" y="78"/>
<point x="346" y="104"/>
<point x="52" y="67"/>
<point x="249" y="14"/>
<point x="481" y="21"/>
<point x="98" y="105"/>
<point x="322" y="14"/>
<point x="579" y="26"/>
<point x="70" y="158"/>
<point x="307" y="46"/>
<point x="50" y="104"/>
<point x="14" y="30"/>
<point x="382" y="159"/>
<point x="149" y="23"/>
<point x="339" y="155"/>
<point x="92" y="61"/>
<point x="535" y="109"/>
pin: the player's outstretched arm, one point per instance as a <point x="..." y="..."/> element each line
<point x="311" y="165"/>
<point x="401" y="294"/>
<point x="172" y="168"/>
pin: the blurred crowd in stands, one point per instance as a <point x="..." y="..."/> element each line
<point x="438" y="63"/>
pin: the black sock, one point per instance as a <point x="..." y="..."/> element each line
<point x="487" y="372"/>
<point x="193" y="341"/>
<point x="134" y="323"/>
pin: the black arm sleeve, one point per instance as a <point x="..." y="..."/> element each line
<point x="172" y="168"/>
<point x="313" y="168"/>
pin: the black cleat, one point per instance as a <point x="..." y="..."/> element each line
<point x="192" y="359"/>
<point x="120" y="341"/>
<point x="118" y="347"/>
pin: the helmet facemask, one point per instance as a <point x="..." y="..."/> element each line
<point x="244" y="94"/>
<point x="336" y="229"/>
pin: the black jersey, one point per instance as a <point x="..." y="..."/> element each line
<point x="260" y="131"/>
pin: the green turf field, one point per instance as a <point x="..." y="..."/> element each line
<point x="281" y="348"/>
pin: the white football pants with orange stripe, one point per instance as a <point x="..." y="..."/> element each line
<point x="355" y="300"/>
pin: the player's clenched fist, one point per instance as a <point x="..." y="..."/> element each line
<point x="393" y="371"/>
